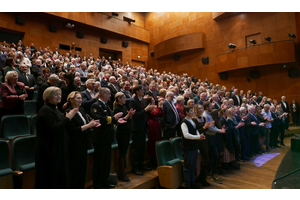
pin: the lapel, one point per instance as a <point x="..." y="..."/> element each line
<point x="105" y="108"/>
<point x="89" y="95"/>
<point x="139" y="102"/>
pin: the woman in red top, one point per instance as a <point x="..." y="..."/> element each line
<point x="13" y="94"/>
<point x="154" y="131"/>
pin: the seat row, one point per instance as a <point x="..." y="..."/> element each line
<point x="170" y="162"/>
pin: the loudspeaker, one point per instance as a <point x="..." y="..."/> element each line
<point x="205" y="60"/>
<point x="20" y="20"/>
<point x="254" y="74"/>
<point x="103" y="40"/>
<point x="176" y="57"/>
<point x="80" y="34"/>
<point x="152" y="53"/>
<point x="223" y="75"/>
<point x="295" y="144"/>
<point x="52" y="28"/>
<point x="124" y="44"/>
<point x="293" y="73"/>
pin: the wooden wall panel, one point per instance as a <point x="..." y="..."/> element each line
<point x="105" y="22"/>
<point x="217" y="35"/>
<point x="272" y="53"/>
<point x="36" y="29"/>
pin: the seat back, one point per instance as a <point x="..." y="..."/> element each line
<point x="4" y="159"/>
<point x="114" y="144"/>
<point x="33" y="124"/>
<point x="29" y="107"/>
<point x="177" y="150"/>
<point x="23" y="153"/>
<point x="14" y="125"/>
<point x="34" y="95"/>
<point x="164" y="152"/>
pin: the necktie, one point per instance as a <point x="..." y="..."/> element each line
<point x="175" y="111"/>
<point x="254" y="117"/>
<point x="26" y="77"/>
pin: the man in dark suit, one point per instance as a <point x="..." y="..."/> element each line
<point x="171" y="117"/>
<point x="285" y="108"/>
<point x="56" y="51"/>
<point x="126" y="91"/>
<point x="202" y="98"/>
<point x="113" y="90"/>
<point x="254" y="101"/>
<point x="52" y="81"/>
<point x="252" y="124"/>
<point x="28" y="80"/>
<point x="138" y="128"/>
<point x="36" y="69"/>
<point x="89" y="96"/>
<point x="236" y="98"/>
<point x="275" y="127"/>
<point x="2" y="56"/>
<point x="215" y="101"/>
<point x="78" y="84"/>
<point x="151" y="92"/>
<point x="260" y="96"/>
<point x="102" y="138"/>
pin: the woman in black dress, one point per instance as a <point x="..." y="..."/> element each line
<point x="123" y="133"/>
<point x="50" y="170"/>
<point x="202" y="126"/>
<point x="76" y="145"/>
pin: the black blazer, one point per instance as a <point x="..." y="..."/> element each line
<point x="87" y="101"/>
<point x="31" y="83"/>
<point x="128" y="97"/>
<point x="236" y="103"/>
<point x="169" y="118"/>
<point x="285" y="109"/>
<point x="276" y="121"/>
<point x="113" y="92"/>
<point x="104" y="133"/>
<point x="254" y="129"/>
<point x="139" y="119"/>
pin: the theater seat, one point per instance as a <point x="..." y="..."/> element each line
<point x="34" y="95"/>
<point x="177" y="150"/>
<point x="23" y="161"/>
<point x="33" y="124"/>
<point x="6" y="179"/>
<point x="29" y="107"/>
<point x="114" y="144"/>
<point x="169" y="168"/>
<point x="14" y="125"/>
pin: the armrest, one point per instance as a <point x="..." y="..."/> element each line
<point x="17" y="173"/>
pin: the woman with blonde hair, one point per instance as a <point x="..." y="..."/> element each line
<point x="122" y="133"/>
<point x="76" y="146"/>
<point x="50" y="168"/>
<point x="13" y="94"/>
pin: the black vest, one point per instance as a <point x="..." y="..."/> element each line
<point x="186" y="144"/>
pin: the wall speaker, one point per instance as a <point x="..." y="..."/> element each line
<point x="152" y="53"/>
<point x="294" y="73"/>
<point x="80" y="34"/>
<point x="223" y="75"/>
<point x="103" y="40"/>
<point x="176" y="57"/>
<point x="205" y="60"/>
<point x="52" y="28"/>
<point x="20" y="20"/>
<point x="254" y="74"/>
<point x="124" y="44"/>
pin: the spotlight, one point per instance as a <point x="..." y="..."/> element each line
<point x="115" y="14"/>
<point x="268" y="39"/>
<point x="253" y="42"/>
<point x="231" y="46"/>
<point x="129" y="20"/>
<point x="70" y="25"/>
<point x="292" y="36"/>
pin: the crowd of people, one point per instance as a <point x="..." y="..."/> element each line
<point x="80" y="94"/>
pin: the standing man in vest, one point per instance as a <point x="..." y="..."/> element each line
<point x="189" y="146"/>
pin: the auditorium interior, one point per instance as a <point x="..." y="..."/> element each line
<point x="257" y="51"/>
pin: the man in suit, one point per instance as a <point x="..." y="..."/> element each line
<point x="254" y="101"/>
<point x="202" y="98"/>
<point x="113" y="90"/>
<point x="171" y="117"/>
<point x="252" y="124"/>
<point x="80" y="87"/>
<point x="215" y="102"/>
<point x="56" y="51"/>
<point x="126" y="91"/>
<point x="52" y="81"/>
<point x="236" y="98"/>
<point x="151" y="92"/>
<point x="2" y="56"/>
<point x="28" y="80"/>
<point x="83" y="71"/>
<point x="275" y="127"/>
<point x="260" y="96"/>
<point x="36" y="69"/>
<point x="102" y="138"/>
<point x="89" y="96"/>
<point x="138" y="128"/>
<point x="285" y="108"/>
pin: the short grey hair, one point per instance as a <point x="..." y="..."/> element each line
<point x="53" y="77"/>
<point x="49" y="92"/>
<point x="179" y="98"/>
<point x="89" y="81"/>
